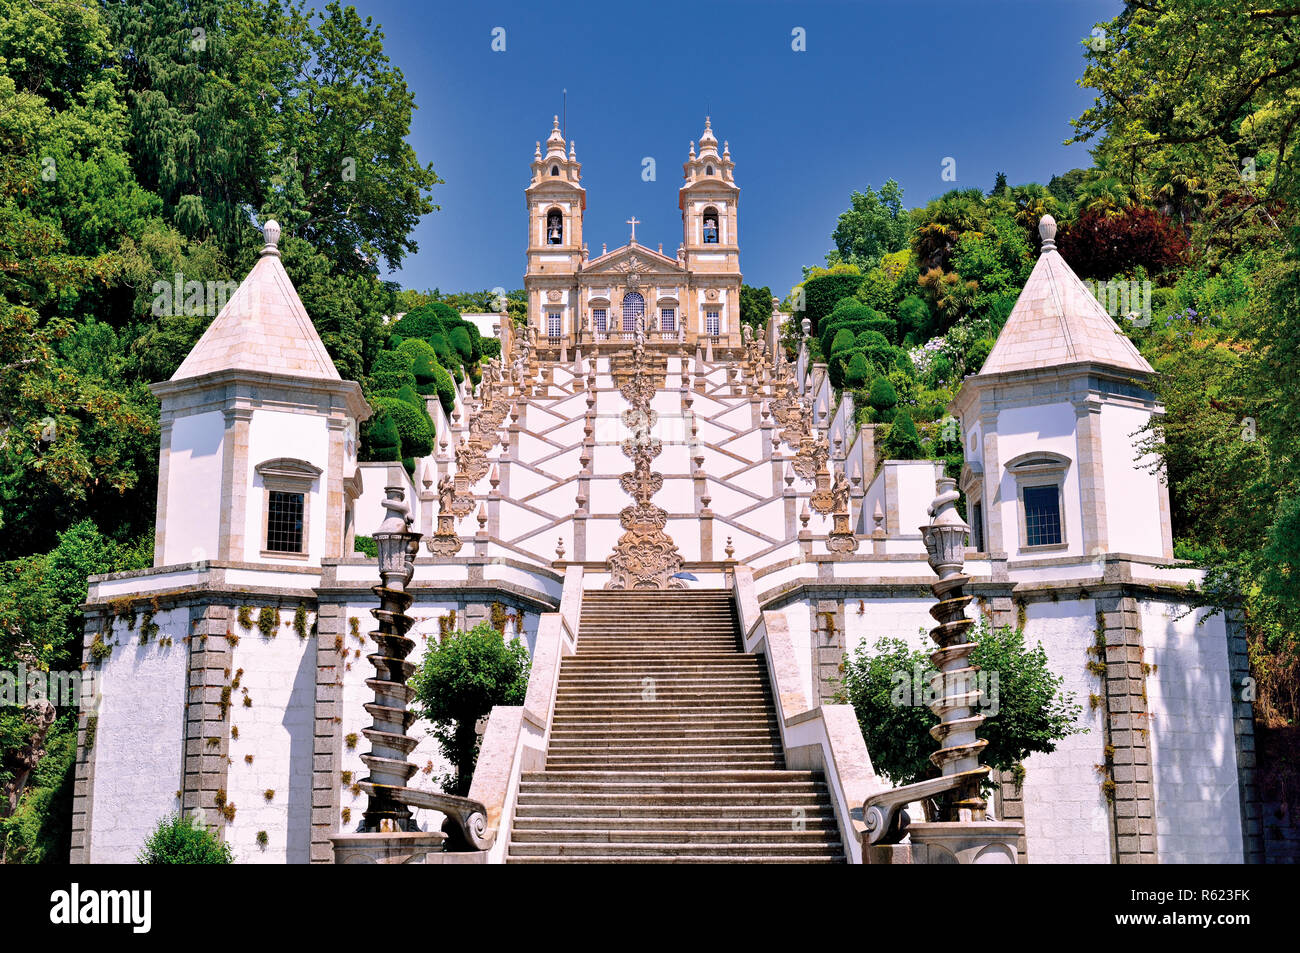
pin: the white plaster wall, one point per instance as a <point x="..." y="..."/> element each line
<point x="193" y="475"/>
<point x="1132" y="492"/>
<point x="271" y="434"/>
<point x="798" y="620"/>
<point x="1067" y="817"/>
<point x="368" y="510"/>
<point x="139" y="739"/>
<point x="1050" y="427"/>
<point x="277" y="729"/>
<point x="1193" y="752"/>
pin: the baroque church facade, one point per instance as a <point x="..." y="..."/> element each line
<point x="645" y="494"/>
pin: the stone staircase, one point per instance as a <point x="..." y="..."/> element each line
<point x="665" y="747"/>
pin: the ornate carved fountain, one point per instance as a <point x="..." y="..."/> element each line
<point x="958" y="830"/>
<point x="388" y="833"/>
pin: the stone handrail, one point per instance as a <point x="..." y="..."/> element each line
<point x="517" y="735"/>
<point x="466" y="824"/>
<point x="814" y="737"/>
<point x="882" y="813"/>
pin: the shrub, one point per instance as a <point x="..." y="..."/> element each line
<point x="823" y="293"/>
<point x="392" y="370"/>
<point x="460" y="339"/>
<point x="365" y="545"/>
<point x="882" y="396"/>
<point x="459" y="681"/>
<point x="843" y="341"/>
<point x="413" y="425"/>
<point x="855" y="375"/>
<point x="445" y="387"/>
<point x="177" y="840"/>
<point x="490" y="347"/>
<point x="381" y="439"/>
<point x="424" y="360"/>
<point x="903" y="443"/>
<point x="427" y="320"/>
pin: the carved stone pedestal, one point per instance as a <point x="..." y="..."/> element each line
<point x="400" y="847"/>
<point x="964" y="842"/>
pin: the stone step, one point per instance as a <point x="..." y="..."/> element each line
<point x="650" y="815"/>
<point x="638" y="852"/>
<point x="678" y="836"/>
<point x="681" y="858"/>
<point x="684" y="734"/>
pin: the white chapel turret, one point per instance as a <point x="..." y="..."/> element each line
<point x="258" y="452"/>
<point x="1051" y="428"/>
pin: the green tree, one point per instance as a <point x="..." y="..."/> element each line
<point x="755" y="307"/>
<point x="459" y="681"/>
<point x="178" y="840"/>
<point x="874" y="224"/>
<point x="887" y="684"/>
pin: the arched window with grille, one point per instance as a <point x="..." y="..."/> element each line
<point x="710" y="226"/>
<point x="555" y="170"/>
<point x="633" y="309"/>
<point x="554" y="227"/>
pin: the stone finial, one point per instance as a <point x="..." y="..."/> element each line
<point x="1047" y="229"/>
<point x="729" y="549"/>
<point x="806" y="326"/>
<point x="559" y="549"/>
<point x="945" y="536"/>
<point x="271" y="235"/>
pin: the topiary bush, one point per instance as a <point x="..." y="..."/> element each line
<point x="460" y="339"/>
<point x="882" y="398"/>
<point x="445" y="388"/>
<point x="392" y="371"/>
<point x="857" y="371"/>
<point x="178" y="840"/>
<point x="381" y="440"/>
<point x="903" y="443"/>
<point x="424" y="359"/>
<point x="459" y="681"/>
<point x="413" y="425"/>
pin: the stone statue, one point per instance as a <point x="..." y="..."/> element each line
<point x="840" y="493"/>
<point x="446" y="491"/>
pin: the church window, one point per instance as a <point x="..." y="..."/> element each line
<point x="710" y="226"/>
<point x="668" y="319"/>
<point x="553" y="325"/>
<point x="554" y="227"/>
<point x="977" y="526"/>
<point x="708" y="170"/>
<point x="284" y="522"/>
<point x="599" y="319"/>
<point x="633" y="310"/>
<point x="555" y="170"/>
<point x="712" y="323"/>
<point x="1042" y="515"/>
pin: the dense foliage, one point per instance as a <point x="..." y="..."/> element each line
<point x="460" y="679"/>
<point x="178" y="840"/>
<point x="1026" y="710"/>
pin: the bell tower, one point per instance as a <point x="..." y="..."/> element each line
<point x="556" y="202"/>
<point x="710" y="250"/>
<point x="708" y="199"/>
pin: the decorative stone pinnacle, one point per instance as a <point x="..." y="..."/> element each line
<point x="1047" y="230"/>
<point x="271" y="235"/>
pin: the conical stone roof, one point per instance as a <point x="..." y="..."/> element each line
<point x="1056" y="321"/>
<point x="263" y="327"/>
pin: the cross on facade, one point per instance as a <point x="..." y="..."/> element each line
<point x="634" y="222"/>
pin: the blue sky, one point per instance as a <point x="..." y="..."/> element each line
<point x="884" y="89"/>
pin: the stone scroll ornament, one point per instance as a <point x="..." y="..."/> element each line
<point x="645" y="557"/>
